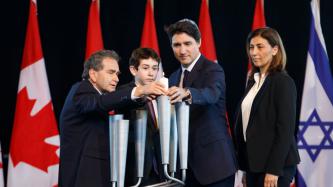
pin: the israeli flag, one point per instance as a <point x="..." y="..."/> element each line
<point x="315" y="137"/>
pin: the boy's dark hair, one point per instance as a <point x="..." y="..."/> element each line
<point x="140" y="54"/>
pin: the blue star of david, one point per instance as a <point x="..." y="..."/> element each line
<point x="326" y="142"/>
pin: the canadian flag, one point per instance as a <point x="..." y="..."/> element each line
<point x="149" y="36"/>
<point x="258" y="21"/>
<point x="207" y="47"/>
<point x="34" y="147"/>
<point x="94" y="31"/>
<point x="1" y="170"/>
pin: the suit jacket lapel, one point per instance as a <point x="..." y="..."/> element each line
<point x="175" y="81"/>
<point x="192" y="76"/>
<point x="87" y="86"/>
<point x="248" y="87"/>
<point x="257" y="99"/>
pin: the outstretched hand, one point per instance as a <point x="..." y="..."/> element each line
<point x="150" y="91"/>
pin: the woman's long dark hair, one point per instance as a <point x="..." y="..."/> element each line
<point x="273" y="38"/>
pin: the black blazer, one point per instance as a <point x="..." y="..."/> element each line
<point x="84" y="135"/>
<point x="211" y="152"/>
<point x="270" y="142"/>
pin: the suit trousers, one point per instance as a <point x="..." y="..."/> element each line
<point x="191" y="181"/>
<point x="257" y="179"/>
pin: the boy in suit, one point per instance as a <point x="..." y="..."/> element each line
<point x="144" y="66"/>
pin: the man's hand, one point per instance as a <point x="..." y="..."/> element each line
<point x="270" y="180"/>
<point x="177" y="94"/>
<point x="150" y="91"/>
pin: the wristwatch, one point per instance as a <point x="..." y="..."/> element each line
<point x="188" y="96"/>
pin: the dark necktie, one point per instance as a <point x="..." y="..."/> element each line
<point x="185" y="78"/>
<point x="152" y="113"/>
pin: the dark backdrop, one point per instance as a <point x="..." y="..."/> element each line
<point x="63" y="31"/>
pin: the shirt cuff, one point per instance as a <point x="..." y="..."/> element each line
<point x="133" y="97"/>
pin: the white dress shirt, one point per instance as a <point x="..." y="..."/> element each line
<point x="248" y="100"/>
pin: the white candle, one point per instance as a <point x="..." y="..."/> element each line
<point x="165" y="82"/>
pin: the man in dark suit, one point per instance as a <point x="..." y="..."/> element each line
<point x="200" y="83"/>
<point x="265" y="124"/>
<point x="144" y="66"/>
<point x="84" y="130"/>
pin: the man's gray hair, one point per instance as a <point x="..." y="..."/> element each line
<point x="95" y="61"/>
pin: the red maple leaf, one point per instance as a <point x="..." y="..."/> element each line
<point x="29" y="133"/>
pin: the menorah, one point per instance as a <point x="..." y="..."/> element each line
<point x="173" y="121"/>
